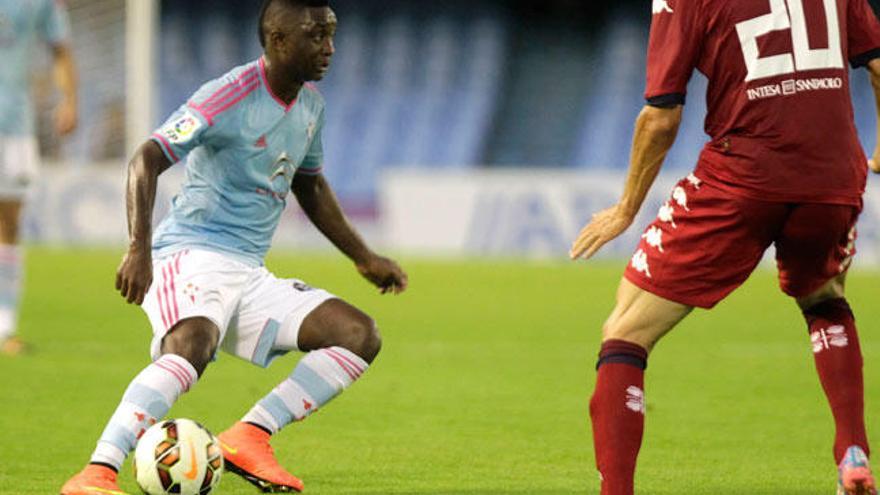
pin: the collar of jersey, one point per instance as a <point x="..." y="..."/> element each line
<point x="275" y="97"/>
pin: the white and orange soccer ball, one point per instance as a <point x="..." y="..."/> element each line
<point x="177" y="456"/>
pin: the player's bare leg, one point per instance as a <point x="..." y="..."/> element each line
<point x="839" y="364"/>
<point x="341" y="341"/>
<point x="639" y="320"/>
<point x="10" y="277"/>
<point x="186" y="351"/>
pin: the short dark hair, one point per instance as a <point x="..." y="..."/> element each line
<point x="287" y="3"/>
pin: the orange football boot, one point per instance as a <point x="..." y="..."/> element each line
<point x="93" y="480"/>
<point x="13" y="346"/>
<point x="248" y="454"/>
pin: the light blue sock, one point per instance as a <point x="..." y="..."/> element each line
<point x="148" y="399"/>
<point x="319" y="377"/>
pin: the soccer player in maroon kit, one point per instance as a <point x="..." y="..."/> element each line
<point x="784" y="167"/>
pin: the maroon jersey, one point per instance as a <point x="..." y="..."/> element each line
<point x="780" y="114"/>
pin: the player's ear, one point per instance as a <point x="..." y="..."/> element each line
<point x="276" y="40"/>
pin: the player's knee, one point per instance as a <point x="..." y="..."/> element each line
<point x="834" y="289"/>
<point x="195" y="340"/>
<point x="618" y="327"/>
<point x="362" y="337"/>
<point x="614" y="329"/>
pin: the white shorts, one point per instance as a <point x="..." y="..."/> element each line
<point x="19" y="165"/>
<point x="258" y="314"/>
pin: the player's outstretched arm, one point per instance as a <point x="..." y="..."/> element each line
<point x="135" y="274"/>
<point x="874" y="70"/>
<point x="319" y="202"/>
<point x="656" y="129"/>
<point x="65" y="79"/>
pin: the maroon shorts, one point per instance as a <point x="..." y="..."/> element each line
<point x="705" y="242"/>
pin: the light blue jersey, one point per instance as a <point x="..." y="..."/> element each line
<point x="24" y="24"/>
<point x="242" y="145"/>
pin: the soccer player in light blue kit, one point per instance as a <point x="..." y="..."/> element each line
<point x="247" y="138"/>
<point x="23" y="25"/>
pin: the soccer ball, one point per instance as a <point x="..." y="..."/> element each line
<point x="177" y="456"/>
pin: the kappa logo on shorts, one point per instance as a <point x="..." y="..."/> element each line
<point x="640" y="263"/>
<point x="694" y="181"/>
<point x="302" y="286"/>
<point x="679" y="195"/>
<point x="654" y="238"/>
<point x="665" y="214"/>
<point x="661" y="6"/>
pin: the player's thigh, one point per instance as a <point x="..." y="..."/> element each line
<point x="815" y="247"/>
<point x="704" y="244"/>
<point x="338" y="323"/>
<point x="193" y="284"/>
<point x="270" y="317"/>
<point x="641" y="317"/>
<point x="833" y="289"/>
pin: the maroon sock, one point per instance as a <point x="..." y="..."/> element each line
<point x="839" y="363"/>
<point x="618" y="413"/>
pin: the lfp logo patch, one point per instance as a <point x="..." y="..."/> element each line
<point x="183" y="129"/>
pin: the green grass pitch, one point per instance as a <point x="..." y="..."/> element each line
<point x="482" y="386"/>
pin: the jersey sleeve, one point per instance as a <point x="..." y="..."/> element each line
<point x="54" y="23"/>
<point x="673" y="50"/>
<point x="183" y="132"/>
<point x="863" y="33"/>
<point x="313" y="162"/>
<point x="196" y="122"/>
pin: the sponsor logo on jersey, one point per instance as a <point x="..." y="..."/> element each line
<point x="794" y="86"/>
<point x="280" y="178"/>
<point x="183" y="129"/>
<point x="661" y="6"/>
<point x="283" y="168"/>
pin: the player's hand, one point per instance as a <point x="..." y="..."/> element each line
<point x="605" y="226"/>
<point x="874" y="163"/>
<point x="135" y="274"/>
<point x="384" y="274"/>
<point x="65" y="118"/>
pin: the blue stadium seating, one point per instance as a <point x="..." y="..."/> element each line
<point x="453" y="88"/>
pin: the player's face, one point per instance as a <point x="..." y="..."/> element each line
<point x="307" y="46"/>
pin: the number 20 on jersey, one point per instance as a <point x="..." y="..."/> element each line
<point x="790" y="15"/>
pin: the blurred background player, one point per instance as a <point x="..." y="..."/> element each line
<point x="23" y="25"/>
<point x="784" y="167"/>
<point x="248" y="139"/>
